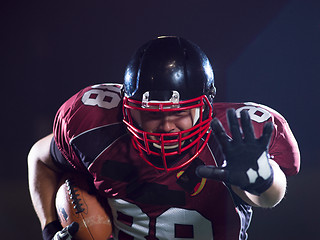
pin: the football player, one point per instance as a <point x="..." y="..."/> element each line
<point x="168" y="161"/>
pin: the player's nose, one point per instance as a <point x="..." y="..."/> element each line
<point x="167" y="124"/>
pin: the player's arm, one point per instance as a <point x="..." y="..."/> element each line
<point x="43" y="180"/>
<point x="272" y="196"/>
<point x="253" y="176"/>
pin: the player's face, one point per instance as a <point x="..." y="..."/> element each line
<point x="164" y="122"/>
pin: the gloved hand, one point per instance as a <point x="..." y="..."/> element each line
<point x="53" y="231"/>
<point x="67" y="232"/>
<point x="247" y="160"/>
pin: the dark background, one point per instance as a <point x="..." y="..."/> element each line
<point x="264" y="51"/>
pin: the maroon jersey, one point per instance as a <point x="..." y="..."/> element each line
<point x="147" y="203"/>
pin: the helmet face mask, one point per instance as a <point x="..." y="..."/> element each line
<point x="166" y="144"/>
<point x="167" y="76"/>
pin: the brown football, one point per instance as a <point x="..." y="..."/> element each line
<point x="74" y="203"/>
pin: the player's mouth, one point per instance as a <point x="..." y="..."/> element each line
<point x="167" y="146"/>
<point x="171" y="142"/>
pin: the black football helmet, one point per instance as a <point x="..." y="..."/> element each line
<point x="169" y="74"/>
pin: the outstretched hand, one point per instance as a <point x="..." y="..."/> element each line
<point x="247" y="160"/>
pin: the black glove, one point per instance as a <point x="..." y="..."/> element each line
<point x="54" y="231"/>
<point x="247" y="160"/>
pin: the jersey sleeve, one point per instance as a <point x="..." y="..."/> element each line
<point x="90" y="108"/>
<point x="283" y="147"/>
<point x="58" y="159"/>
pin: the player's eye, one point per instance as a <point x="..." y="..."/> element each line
<point x="153" y="115"/>
<point x="181" y="113"/>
